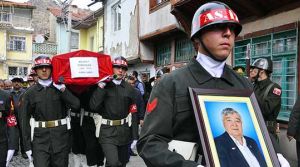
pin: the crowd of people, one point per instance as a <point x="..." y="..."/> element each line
<point x="46" y="121"/>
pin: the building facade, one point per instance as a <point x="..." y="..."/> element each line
<point x="91" y="36"/>
<point x="66" y="38"/>
<point x="15" y="39"/>
<point x="162" y="38"/>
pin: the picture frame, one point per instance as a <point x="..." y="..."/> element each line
<point x="210" y="107"/>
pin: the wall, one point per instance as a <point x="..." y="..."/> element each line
<point x="272" y="21"/>
<point x="62" y="38"/>
<point x="123" y="42"/>
<point x="40" y="20"/>
<point x="83" y="39"/>
<point x="152" y="22"/>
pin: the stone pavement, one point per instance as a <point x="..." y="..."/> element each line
<point x="18" y="161"/>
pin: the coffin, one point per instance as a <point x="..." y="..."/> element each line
<point x="80" y="69"/>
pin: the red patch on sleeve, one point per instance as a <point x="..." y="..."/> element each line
<point x="277" y="91"/>
<point x="132" y="108"/>
<point x="151" y="105"/>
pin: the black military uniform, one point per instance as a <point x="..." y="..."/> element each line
<point x="294" y="126"/>
<point x="83" y="136"/>
<point x="268" y="93"/>
<point x="269" y="103"/>
<point x="4" y="109"/>
<point x="170" y="114"/>
<point x="51" y="143"/>
<point x="114" y="103"/>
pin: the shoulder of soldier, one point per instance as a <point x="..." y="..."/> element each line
<point x="28" y="91"/>
<point x="276" y="85"/>
<point x="276" y="89"/>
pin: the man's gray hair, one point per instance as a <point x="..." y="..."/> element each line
<point x="227" y="111"/>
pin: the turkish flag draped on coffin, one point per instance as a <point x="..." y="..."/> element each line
<point x="80" y="69"/>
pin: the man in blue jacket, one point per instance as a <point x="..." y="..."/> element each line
<point x="235" y="149"/>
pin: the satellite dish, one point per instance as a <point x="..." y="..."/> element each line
<point x="39" y="38"/>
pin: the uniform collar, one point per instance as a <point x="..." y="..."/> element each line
<point x="213" y="67"/>
<point x="263" y="83"/>
<point x="202" y="76"/>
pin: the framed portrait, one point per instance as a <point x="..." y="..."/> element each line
<point x="231" y="128"/>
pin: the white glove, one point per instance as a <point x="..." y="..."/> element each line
<point x="60" y="87"/>
<point x="29" y="153"/>
<point x="283" y="162"/>
<point x="133" y="144"/>
<point x="200" y="166"/>
<point x="101" y="84"/>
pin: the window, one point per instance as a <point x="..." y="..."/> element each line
<point x="5" y="17"/>
<point x="17" y="71"/>
<point x="116" y="16"/>
<point x="156" y="3"/>
<point x="184" y="50"/>
<point x="163" y="54"/>
<point x="17" y="43"/>
<point x="74" y="40"/>
<point x="282" y="49"/>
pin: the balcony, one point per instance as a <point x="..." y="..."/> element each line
<point x="44" y="48"/>
<point x="5" y="20"/>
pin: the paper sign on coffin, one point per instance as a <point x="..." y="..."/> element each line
<point x="80" y="69"/>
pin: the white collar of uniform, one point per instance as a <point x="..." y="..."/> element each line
<point x="46" y="82"/>
<point x="117" y="82"/>
<point x="213" y="67"/>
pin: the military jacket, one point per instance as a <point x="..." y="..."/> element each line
<point x="270" y="106"/>
<point x="113" y="103"/>
<point x="294" y="122"/>
<point x="4" y="109"/>
<point x="169" y="114"/>
<point x="46" y="104"/>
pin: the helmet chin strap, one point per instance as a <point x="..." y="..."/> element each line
<point x="209" y="53"/>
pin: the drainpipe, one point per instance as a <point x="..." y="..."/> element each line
<point x="138" y="29"/>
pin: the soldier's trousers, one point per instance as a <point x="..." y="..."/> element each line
<point x="298" y="152"/>
<point x="116" y="156"/>
<point x="93" y="150"/>
<point x="3" y="153"/>
<point x="50" y="159"/>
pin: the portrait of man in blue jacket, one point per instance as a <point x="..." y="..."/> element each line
<point x="233" y="148"/>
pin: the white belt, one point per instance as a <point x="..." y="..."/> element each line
<point x="88" y="114"/>
<point x="50" y="124"/>
<point x="115" y="122"/>
<point x="73" y="114"/>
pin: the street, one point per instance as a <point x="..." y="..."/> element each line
<point x="18" y="161"/>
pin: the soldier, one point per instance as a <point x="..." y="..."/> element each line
<point x="268" y="93"/>
<point x="4" y="110"/>
<point x="44" y="112"/>
<point x="169" y="114"/>
<point x="115" y="102"/>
